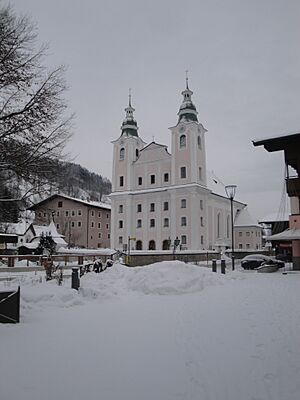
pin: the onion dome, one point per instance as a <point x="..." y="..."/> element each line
<point x="129" y="126"/>
<point x="187" y="111"/>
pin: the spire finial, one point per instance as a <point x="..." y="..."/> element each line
<point x="187" y="78"/>
<point x="129" y="125"/>
<point x="129" y="97"/>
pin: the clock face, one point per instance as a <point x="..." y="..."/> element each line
<point x="181" y="129"/>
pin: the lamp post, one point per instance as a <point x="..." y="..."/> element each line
<point x="230" y="192"/>
<point x="128" y="248"/>
<point x="176" y="244"/>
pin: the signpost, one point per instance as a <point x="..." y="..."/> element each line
<point x="128" y="248"/>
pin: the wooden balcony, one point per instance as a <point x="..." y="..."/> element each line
<point x="293" y="187"/>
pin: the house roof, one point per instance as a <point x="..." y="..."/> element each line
<point x="18" y="228"/>
<point x="276" y="143"/>
<point x="217" y="187"/>
<point x="154" y="145"/>
<point x="289" y="234"/>
<point x="275" y="217"/>
<point x="244" y="218"/>
<point x="31" y="245"/>
<point x="46" y="230"/>
<point x="96" y="204"/>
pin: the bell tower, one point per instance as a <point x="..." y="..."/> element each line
<point x="126" y="151"/>
<point x="188" y="144"/>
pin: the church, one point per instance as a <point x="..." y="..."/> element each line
<point x="159" y="197"/>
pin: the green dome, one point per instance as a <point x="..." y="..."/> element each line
<point x="188" y="117"/>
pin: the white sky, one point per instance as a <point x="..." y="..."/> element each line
<point x="243" y="58"/>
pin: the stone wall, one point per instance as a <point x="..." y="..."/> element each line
<point x="139" y="259"/>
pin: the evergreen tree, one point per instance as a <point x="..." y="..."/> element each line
<point x="46" y="244"/>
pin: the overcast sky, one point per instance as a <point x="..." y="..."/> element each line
<point x="244" y="68"/>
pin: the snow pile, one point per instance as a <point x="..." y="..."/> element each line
<point x="37" y="294"/>
<point x="165" y="278"/>
<point x="172" y="277"/>
<point x="48" y="295"/>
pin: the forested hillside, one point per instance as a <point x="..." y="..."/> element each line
<point x="77" y="181"/>
<point x="70" y="179"/>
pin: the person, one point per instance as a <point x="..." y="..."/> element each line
<point x="109" y="263"/>
<point x="97" y="267"/>
<point x="48" y="264"/>
<point x="101" y="264"/>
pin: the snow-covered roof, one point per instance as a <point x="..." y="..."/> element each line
<point x="215" y="184"/>
<point x="18" y="228"/>
<point x="153" y="145"/>
<point x="244" y="218"/>
<point x="31" y="245"/>
<point x="275" y="217"/>
<point x="97" y="204"/>
<point x="41" y="230"/>
<point x="217" y="187"/>
<point x="289" y="234"/>
<point x="46" y="230"/>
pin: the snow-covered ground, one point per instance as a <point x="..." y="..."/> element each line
<point x="167" y="331"/>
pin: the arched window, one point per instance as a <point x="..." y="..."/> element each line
<point x="139" y="245"/>
<point x="200" y="173"/>
<point x="166" y="244"/>
<point x="228" y="226"/>
<point x="137" y="153"/>
<point x="218" y="225"/>
<point x="182" y="141"/>
<point x="152" y="245"/>
<point x="122" y="153"/>
<point x="199" y="142"/>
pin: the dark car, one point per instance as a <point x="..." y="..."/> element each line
<point x="256" y="260"/>
<point x="287" y="257"/>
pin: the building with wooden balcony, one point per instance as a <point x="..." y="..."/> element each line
<point x="290" y="144"/>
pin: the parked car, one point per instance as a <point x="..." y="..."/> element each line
<point x="287" y="257"/>
<point x="256" y="260"/>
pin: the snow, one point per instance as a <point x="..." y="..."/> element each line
<point x="287" y="235"/>
<point x="18" y="228"/>
<point x="275" y="217"/>
<point x="99" y="204"/>
<point x="166" y="331"/>
<point x="245" y="219"/>
<point x="81" y="251"/>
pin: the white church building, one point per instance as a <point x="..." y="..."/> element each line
<point x="159" y="196"/>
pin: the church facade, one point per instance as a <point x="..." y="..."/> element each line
<point x="158" y="196"/>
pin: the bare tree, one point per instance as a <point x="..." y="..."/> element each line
<point x="34" y="127"/>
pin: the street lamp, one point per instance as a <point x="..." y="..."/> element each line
<point x="230" y="192"/>
<point x="175" y="245"/>
<point x="128" y="248"/>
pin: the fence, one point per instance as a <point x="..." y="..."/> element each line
<point x="12" y="260"/>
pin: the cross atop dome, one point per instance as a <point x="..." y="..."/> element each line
<point x="129" y="126"/>
<point x="187" y="111"/>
